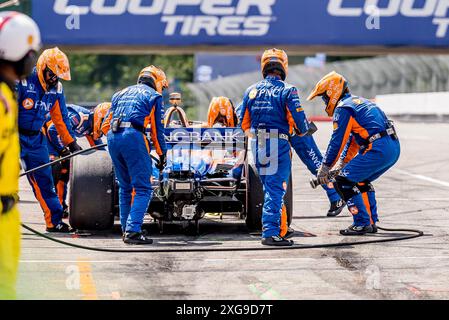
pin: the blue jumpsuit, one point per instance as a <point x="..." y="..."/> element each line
<point x="137" y="105"/>
<point x="81" y="125"/>
<point x="34" y="105"/>
<point x="307" y="150"/>
<point x="355" y="120"/>
<point x="271" y="110"/>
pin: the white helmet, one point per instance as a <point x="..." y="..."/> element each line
<point x="19" y="34"/>
<point x="20" y="40"/>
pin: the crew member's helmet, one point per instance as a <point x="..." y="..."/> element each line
<point x="99" y="114"/>
<point x="154" y="77"/>
<point x="52" y="65"/>
<point x="274" y="60"/>
<point x="20" y="40"/>
<point x="331" y="88"/>
<point x="221" y="111"/>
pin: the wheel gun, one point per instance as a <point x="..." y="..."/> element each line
<point x="314" y="183"/>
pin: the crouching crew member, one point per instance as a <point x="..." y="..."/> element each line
<point x="361" y="132"/>
<point x="132" y="110"/>
<point x="84" y="123"/>
<point x="271" y="112"/>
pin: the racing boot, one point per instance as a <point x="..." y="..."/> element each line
<point x="356" y="230"/>
<point x="136" y="238"/>
<point x="374" y="228"/>
<point x="290" y="233"/>
<point x="277" y="241"/>
<point x="61" y="227"/>
<point x="336" y="208"/>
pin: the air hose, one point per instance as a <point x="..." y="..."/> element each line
<point x="415" y="233"/>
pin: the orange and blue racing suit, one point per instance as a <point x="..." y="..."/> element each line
<point x="132" y="110"/>
<point x="271" y="112"/>
<point x="366" y="139"/>
<point x="81" y="123"/>
<point x="34" y="105"/>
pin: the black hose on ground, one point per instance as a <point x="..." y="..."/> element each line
<point x="416" y="234"/>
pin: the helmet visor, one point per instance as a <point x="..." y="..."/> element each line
<point x="50" y="77"/>
<point x="325" y="98"/>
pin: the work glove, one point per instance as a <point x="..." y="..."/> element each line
<point x="337" y="168"/>
<point x="162" y="162"/>
<point x="323" y="174"/>
<point x="74" y="147"/>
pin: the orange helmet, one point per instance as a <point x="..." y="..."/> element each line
<point x="154" y="77"/>
<point x="221" y="107"/>
<point x="100" y="112"/>
<point x="331" y="88"/>
<point x="55" y="60"/>
<point x="274" y="59"/>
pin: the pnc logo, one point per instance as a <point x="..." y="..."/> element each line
<point x="270" y="92"/>
<point x="28" y="103"/>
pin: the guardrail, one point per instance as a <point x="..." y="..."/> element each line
<point x="432" y="106"/>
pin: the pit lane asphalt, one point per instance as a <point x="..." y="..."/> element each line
<point x="414" y="194"/>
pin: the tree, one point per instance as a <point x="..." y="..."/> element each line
<point x="96" y="77"/>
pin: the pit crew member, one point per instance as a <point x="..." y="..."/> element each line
<point x="132" y="110"/>
<point x="270" y="113"/>
<point x="38" y="95"/>
<point x="371" y="147"/>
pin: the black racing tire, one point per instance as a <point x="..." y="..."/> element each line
<point x="255" y="200"/>
<point x="91" y="192"/>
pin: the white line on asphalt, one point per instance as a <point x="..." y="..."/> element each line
<point x="425" y="178"/>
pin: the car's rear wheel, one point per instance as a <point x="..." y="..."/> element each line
<point x="92" y="192"/>
<point x="255" y="200"/>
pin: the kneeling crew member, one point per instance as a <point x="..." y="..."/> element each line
<point x="271" y="112"/>
<point x="362" y="131"/>
<point x="132" y="110"/>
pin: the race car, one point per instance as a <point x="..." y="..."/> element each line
<point x="208" y="170"/>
